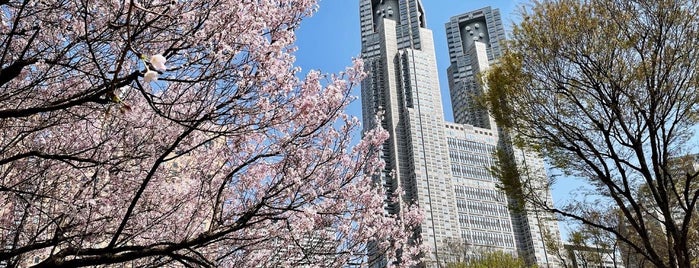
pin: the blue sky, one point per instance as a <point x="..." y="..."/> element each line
<point x="330" y="39"/>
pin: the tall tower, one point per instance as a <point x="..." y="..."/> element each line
<point x="474" y="41"/>
<point x="398" y="53"/>
<point x="442" y="167"/>
<point x="466" y="34"/>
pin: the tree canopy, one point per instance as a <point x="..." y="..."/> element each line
<point x="607" y="91"/>
<point x="157" y="133"/>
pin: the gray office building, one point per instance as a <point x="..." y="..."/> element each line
<point x="474" y="40"/>
<point x="443" y="167"/>
<point x="465" y="33"/>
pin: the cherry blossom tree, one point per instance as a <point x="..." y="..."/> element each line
<point x="176" y="133"/>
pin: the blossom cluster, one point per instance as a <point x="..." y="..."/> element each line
<point x="221" y="155"/>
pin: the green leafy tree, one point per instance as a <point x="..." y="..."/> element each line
<point x="607" y="90"/>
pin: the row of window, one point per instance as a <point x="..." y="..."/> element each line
<point x="478" y="173"/>
<point x="471" y="159"/>
<point x="479" y="194"/>
<point x="485" y="223"/>
<point x="471" y="146"/>
<point x="488" y="239"/>
<point x="482" y="208"/>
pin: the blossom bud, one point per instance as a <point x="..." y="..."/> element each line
<point x="158" y="62"/>
<point x="150" y="76"/>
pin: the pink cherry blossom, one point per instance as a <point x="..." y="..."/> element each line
<point x="150" y="76"/>
<point x="158" y="62"/>
<point x="235" y="161"/>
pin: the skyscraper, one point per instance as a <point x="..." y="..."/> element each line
<point x="443" y="167"/>
<point x="399" y="56"/>
<point x="466" y="34"/>
<point x="474" y="40"/>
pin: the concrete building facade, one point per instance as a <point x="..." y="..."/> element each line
<point x="475" y="40"/>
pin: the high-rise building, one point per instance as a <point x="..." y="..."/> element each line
<point x="443" y="167"/>
<point x="474" y="39"/>
<point x="399" y="56"/>
<point x="466" y="34"/>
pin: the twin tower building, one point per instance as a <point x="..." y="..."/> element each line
<point x="446" y="167"/>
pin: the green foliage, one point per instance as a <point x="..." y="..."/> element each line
<point x="504" y="81"/>
<point x="607" y="91"/>
<point x="510" y="181"/>
<point x="494" y="259"/>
